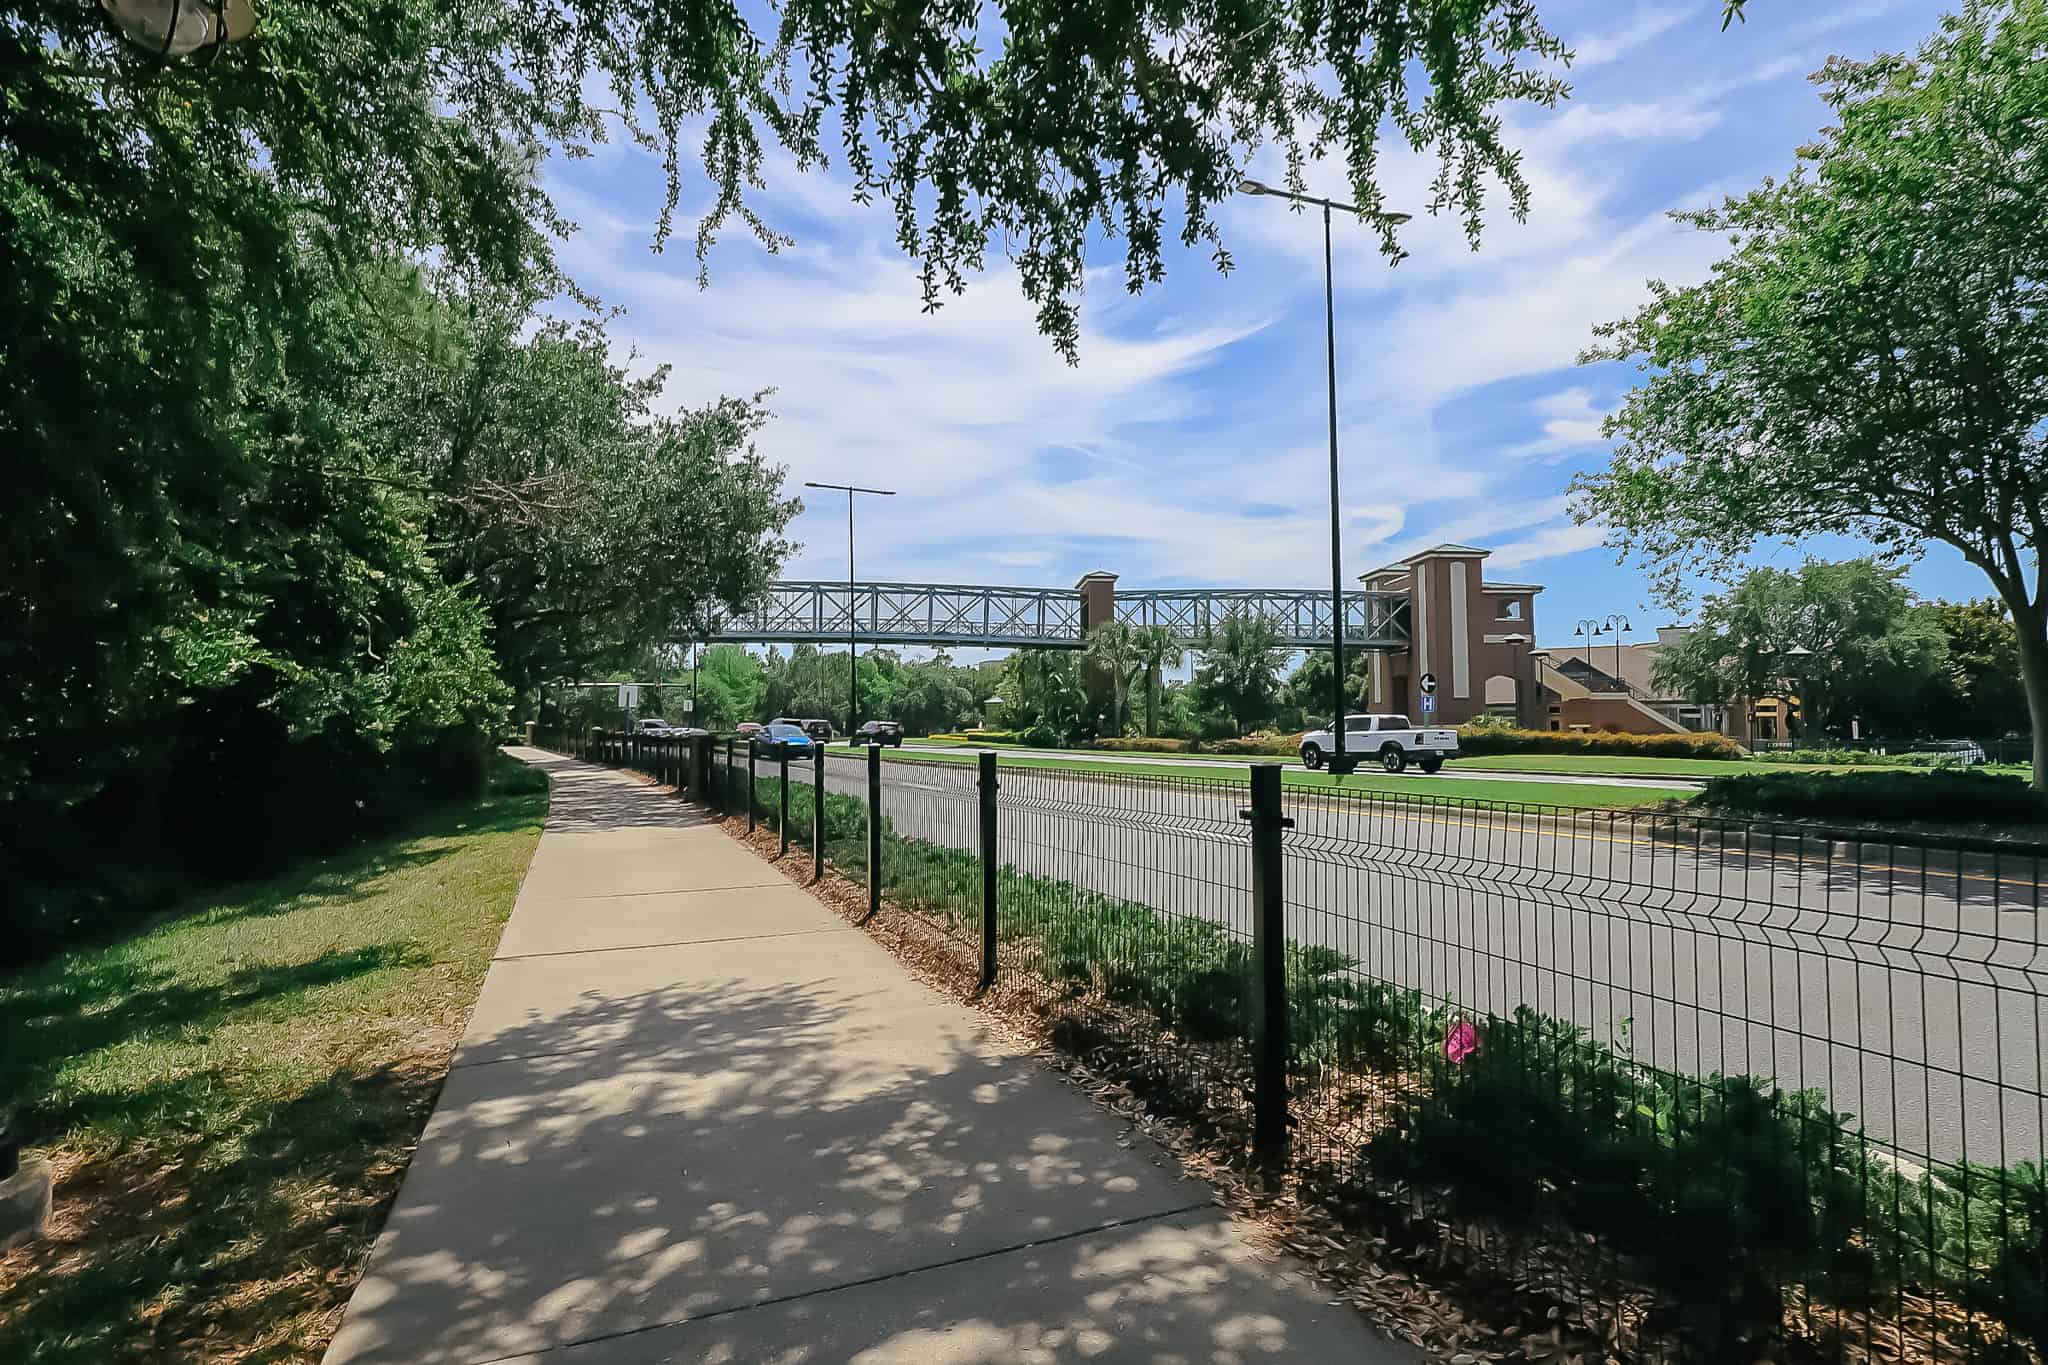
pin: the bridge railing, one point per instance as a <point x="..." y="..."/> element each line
<point x="822" y="612"/>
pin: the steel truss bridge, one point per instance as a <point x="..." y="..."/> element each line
<point x="1009" y="618"/>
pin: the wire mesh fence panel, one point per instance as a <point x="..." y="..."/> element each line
<point x="1777" y="1072"/>
<point x="931" y="841"/>
<point x="1129" y="900"/>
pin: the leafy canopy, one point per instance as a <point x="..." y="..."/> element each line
<point x="1870" y="358"/>
<point x="1847" y="639"/>
<point x="1028" y="129"/>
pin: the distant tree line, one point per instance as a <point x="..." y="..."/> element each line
<point x="1858" y="650"/>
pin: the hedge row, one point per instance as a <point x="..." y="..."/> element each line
<point x="1481" y="740"/>
<point x="1863" y="758"/>
<point x="1724" y="1191"/>
<point x="1948" y="795"/>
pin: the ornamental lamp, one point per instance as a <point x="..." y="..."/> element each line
<point x="179" y="28"/>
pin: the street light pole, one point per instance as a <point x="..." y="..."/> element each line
<point x="1339" y="761"/>
<point x="1336" y="545"/>
<point x="852" y="617"/>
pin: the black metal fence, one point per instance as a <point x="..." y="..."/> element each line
<point x="1712" y="1082"/>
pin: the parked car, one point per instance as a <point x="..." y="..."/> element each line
<point x="880" y="732"/>
<point x="820" y="730"/>
<point x="782" y="738"/>
<point x="1387" y="740"/>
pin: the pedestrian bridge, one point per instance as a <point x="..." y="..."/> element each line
<point x="1056" y="618"/>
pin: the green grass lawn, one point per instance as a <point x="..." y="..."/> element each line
<point x="1457" y="789"/>
<point x="229" y="1098"/>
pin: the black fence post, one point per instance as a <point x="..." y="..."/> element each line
<point x="818" y="812"/>
<point x="752" y="804"/>
<point x="988" y="868"/>
<point x="1269" y="967"/>
<point x="874" y="830"/>
<point x="782" y="759"/>
<point x="725" y="782"/>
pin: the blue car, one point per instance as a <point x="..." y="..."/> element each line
<point x="782" y="739"/>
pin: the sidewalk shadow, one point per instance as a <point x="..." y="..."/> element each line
<point x="586" y="799"/>
<point x="735" y="1155"/>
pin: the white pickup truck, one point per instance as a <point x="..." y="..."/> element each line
<point x="1389" y="741"/>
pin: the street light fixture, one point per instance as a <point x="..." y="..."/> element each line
<point x="1620" y="625"/>
<point x="179" y="28"/>
<point x="852" y="617"/>
<point x="1340" y="762"/>
<point x="1588" y="630"/>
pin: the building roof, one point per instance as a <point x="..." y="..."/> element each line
<point x="1636" y="660"/>
<point x="1446" y="549"/>
<point x="1511" y="587"/>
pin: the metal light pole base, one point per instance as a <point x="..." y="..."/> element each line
<point x="1343" y="765"/>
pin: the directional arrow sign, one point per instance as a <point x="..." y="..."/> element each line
<point x="1428" y="683"/>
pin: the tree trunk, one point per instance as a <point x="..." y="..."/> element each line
<point x="2031" y="624"/>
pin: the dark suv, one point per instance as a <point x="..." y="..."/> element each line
<point x="880" y="732"/>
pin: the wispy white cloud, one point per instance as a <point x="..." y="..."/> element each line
<point x="1188" y="446"/>
<point x="1644" y="25"/>
<point x="1571" y="422"/>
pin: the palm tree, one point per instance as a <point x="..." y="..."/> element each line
<point x="1113" y="647"/>
<point x="1158" y="651"/>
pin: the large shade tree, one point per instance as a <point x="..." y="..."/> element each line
<point x="1871" y="358"/>
<point x="1848" y="640"/>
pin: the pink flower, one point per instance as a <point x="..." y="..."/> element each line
<point x="1461" y="1042"/>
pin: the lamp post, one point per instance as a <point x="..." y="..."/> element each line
<point x="1340" y="762"/>
<point x="1789" y="660"/>
<point x="852" y="617"/>
<point x="1587" y="630"/>
<point x="1619" y="625"/>
<point x="1521" y="687"/>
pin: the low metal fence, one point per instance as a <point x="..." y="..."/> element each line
<point x="1706" y="1081"/>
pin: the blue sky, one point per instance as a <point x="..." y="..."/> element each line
<point x="1188" y="445"/>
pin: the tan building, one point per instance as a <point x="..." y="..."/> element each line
<point x="1605" y="686"/>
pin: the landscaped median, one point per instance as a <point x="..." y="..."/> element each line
<point x="1885" y="802"/>
<point x="230" y="1098"/>
<point x="1459" y="791"/>
<point x="1715" y="1218"/>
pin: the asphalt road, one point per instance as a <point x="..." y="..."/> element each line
<point x="1455" y="770"/>
<point x="1909" y="985"/>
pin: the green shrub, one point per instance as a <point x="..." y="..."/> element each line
<point x="1724" y="1191"/>
<point x="1280" y="745"/>
<point x="1860" y="758"/>
<point x="1478" y="741"/>
<point x="1140" y="746"/>
<point x="1942" y="794"/>
<point x="1040" y="736"/>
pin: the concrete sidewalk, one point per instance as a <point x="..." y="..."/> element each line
<point x="698" y="1117"/>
